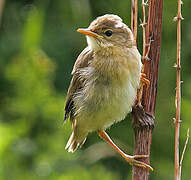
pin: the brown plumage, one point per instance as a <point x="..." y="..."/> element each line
<point x="76" y="84"/>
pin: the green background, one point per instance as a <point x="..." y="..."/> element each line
<point x="38" y="47"/>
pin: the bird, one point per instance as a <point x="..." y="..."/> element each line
<point x="105" y="80"/>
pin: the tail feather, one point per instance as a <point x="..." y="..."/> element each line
<point x="73" y="144"/>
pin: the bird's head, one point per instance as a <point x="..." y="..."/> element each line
<point x="108" y="31"/>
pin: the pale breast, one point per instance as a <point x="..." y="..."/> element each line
<point x="109" y="90"/>
<point x="113" y="103"/>
<point x="104" y="101"/>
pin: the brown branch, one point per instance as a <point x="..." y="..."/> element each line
<point x="134" y="13"/>
<point x="143" y="124"/>
<point x="184" y="149"/>
<point x="153" y="34"/>
<point x="178" y="18"/>
<point x="143" y="119"/>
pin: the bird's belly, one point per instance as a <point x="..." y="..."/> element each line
<point x="105" y="104"/>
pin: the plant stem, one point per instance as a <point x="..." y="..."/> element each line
<point x="184" y="149"/>
<point x="143" y="119"/>
<point x="134" y="13"/>
<point x="143" y="26"/>
<point x="178" y="93"/>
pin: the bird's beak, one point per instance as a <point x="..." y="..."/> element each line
<point x="89" y="33"/>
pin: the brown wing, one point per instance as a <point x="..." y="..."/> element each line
<point x="82" y="61"/>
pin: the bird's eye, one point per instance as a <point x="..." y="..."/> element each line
<point x="108" y="33"/>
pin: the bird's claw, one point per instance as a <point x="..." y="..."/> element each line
<point x="144" y="80"/>
<point x="132" y="161"/>
<point x="138" y="156"/>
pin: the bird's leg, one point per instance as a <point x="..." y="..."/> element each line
<point x="143" y="81"/>
<point x="130" y="159"/>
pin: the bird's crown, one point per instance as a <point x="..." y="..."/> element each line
<point x="106" y="21"/>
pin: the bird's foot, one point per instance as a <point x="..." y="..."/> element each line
<point x="144" y="80"/>
<point x="132" y="160"/>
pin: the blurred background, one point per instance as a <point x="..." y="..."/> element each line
<point x="38" y="47"/>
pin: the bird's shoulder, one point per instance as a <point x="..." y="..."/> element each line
<point x="83" y="60"/>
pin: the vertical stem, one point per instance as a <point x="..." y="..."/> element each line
<point x="153" y="33"/>
<point x="143" y="24"/>
<point x="143" y="125"/>
<point x="184" y="149"/>
<point x="143" y="119"/>
<point x="144" y="32"/>
<point x="178" y="93"/>
<point x="134" y="13"/>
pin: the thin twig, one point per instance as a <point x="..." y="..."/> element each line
<point x="178" y="18"/>
<point x="143" y="24"/>
<point x="134" y="13"/>
<point x="184" y="149"/>
<point x="144" y="53"/>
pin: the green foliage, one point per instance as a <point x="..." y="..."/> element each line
<point x="38" y="47"/>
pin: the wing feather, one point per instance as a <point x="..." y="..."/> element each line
<point x="76" y="84"/>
